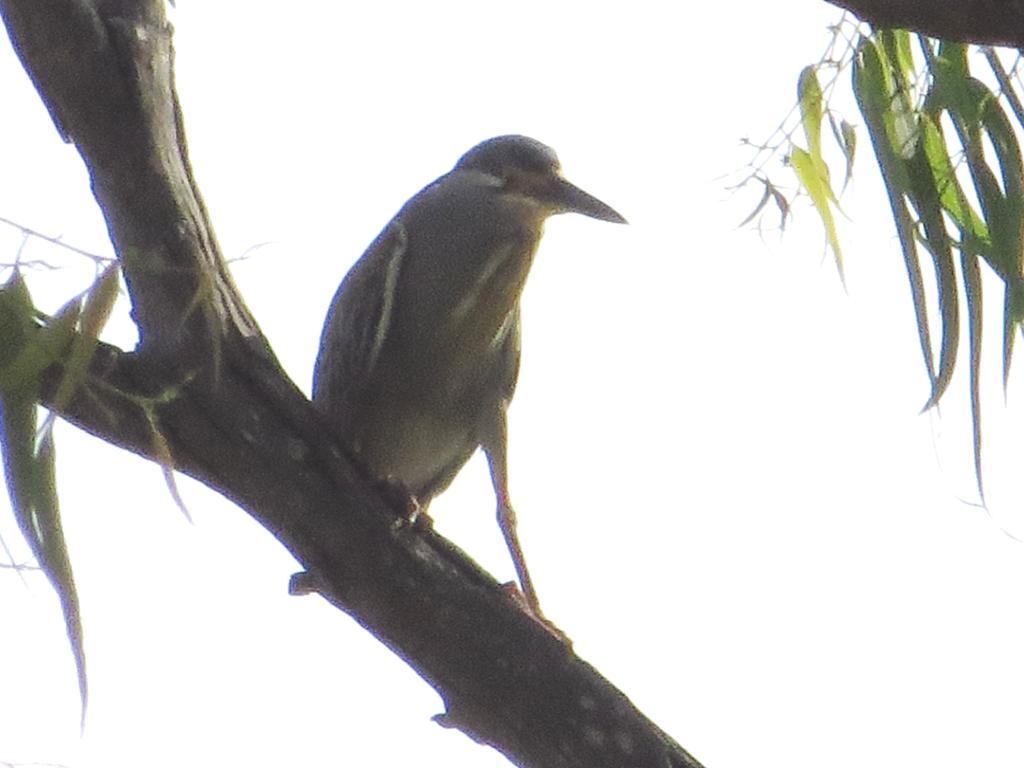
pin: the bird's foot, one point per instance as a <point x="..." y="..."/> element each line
<point x="417" y="515"/>
<point x="410" y="511"/>
<point x="516" y="595"/>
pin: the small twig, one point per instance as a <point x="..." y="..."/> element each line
<point x="28" y="232"/>
<point x="781" y="135"/>
<point x="19" y="567"/>
<point x="248" y="252"/>
<point x="1006" y="87"/>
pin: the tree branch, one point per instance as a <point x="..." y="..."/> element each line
<point x="983" y="22"/>
<point x="206" y="388"/>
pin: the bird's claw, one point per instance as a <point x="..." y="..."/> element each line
<point x="511" y="589"/>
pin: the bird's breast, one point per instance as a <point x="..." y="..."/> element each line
<point x="414" y="442"/>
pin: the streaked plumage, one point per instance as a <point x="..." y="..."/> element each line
<point x="420" y="350"/>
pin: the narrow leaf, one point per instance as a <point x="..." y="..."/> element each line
<point x="818" y="189"/>
<point x="951" y="194"/>
<point x="781" y="203"/>
<point x="16" y="318"/>
<point x="29" y="467"/>
<point x="32" y="489"/>
<point x="871" y="88"/>
<point x="972" y="294"/>
<point x="758" y="208"/>
<point x="811" y="110"/>
<point x="1008" y="234"/>
<point x="846" y="137"/>
<point x="901" y="114"/>
<point x="771" y="192"/>
<point x="99" y="302"/>
<point x="53" y="557"/>
<point x="924" y="195"/>
<point x="44" y="346"/>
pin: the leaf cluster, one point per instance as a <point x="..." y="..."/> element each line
<point x="30" y="343"/>
<point x="947" y="146"/>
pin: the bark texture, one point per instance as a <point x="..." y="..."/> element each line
<point x="205" y="387"/>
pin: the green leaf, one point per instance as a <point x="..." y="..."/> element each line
<point x="872" y="88"/>
<point x="896" y="47"/>
<point x="901" y="115"/>
<point x="979" y="119"/>
<point x="974" y="232"/>
<point x="924" y="196"/>
<point x="16" y="318"/>
<point x="809" y="165"/>
<point x="1008" y="228"/>
<point x="30" y="473"/>
<point x="811" y="110"/>
<point x="846" y="137"/>
<point x="810" y="177"/>
<point x="41" y="349"/>
<point x="972" y="294"/>
<point x="29" y="467"/>
<point x="99" y="302"/>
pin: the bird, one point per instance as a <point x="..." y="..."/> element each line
<point x="419" y="354"/>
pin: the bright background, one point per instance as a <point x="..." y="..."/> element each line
<point x="727" y="495"/>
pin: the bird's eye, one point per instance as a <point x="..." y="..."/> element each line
<point x="513" y="178"/>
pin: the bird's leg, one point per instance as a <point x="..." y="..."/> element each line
<point x="507" y="522"/>
<point x="495" y="449"/>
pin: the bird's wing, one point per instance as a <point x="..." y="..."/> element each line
<point x="358" y="321"/>
<point x="510" y="353"/>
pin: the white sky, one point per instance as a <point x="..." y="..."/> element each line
<point x="726" y="494"/>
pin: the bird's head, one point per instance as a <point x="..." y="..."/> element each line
<point x="524" y="167"/>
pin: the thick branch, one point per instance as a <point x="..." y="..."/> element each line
<point x="238" y="424"/>
<point x="984" y="22"/>
<point x="105" y="73"/>
<point x="505" y="680"/>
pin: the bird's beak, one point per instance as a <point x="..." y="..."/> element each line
<point x="568" y="198"/>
